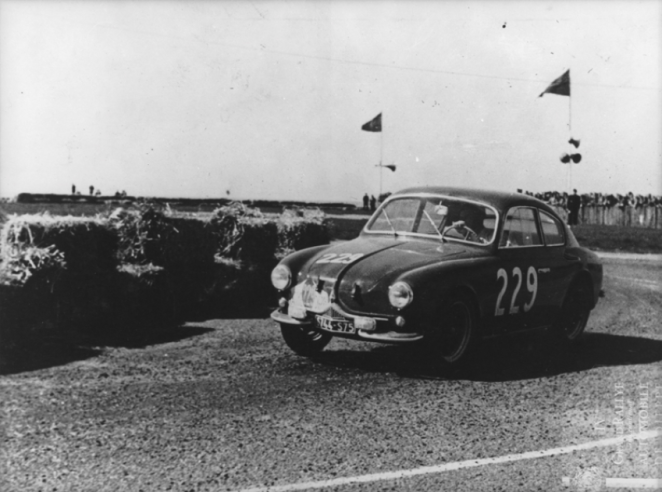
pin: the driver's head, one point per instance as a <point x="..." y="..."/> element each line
<point x="473" y="217"/>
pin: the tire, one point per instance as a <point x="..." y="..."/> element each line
<point x="455" y="338"/>
<point x="303" y="340"/>
<point x="574" y="314"/>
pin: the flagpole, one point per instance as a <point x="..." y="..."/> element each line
<point x="381" y="157"/>
<point x="570" y="131"/>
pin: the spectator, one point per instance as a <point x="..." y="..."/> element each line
<point x="373" y="203"/>
<point x="366" y="199"/>
<point x="574" y="202"/>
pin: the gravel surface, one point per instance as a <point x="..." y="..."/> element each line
<point x="224" y="405"/>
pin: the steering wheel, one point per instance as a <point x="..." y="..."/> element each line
<point x="464" y="230"/>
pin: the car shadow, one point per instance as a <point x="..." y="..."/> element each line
<point x="39" y="351"/>
<point x="506" y="359"/>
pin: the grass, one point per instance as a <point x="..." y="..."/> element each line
<point x="619" y="239"/>
<point x="347" y="225"/>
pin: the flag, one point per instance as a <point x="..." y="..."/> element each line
<point x="574" y="142"/>
<point x="374" y="125"/>
<point x="560" y="86"/>
<point x="391" y="167"/>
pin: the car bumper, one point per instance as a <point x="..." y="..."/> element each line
<point x="391" y="336"/>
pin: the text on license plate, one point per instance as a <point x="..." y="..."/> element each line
<point x="337" y="325"/>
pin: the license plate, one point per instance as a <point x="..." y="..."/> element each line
<point x="335" y="325"/>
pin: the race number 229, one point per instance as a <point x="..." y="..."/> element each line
<point x="531" y="286"/>
<point x="339" y="258"/>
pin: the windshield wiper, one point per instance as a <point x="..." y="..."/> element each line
<point x="434" y="226"/>
<point x="395" y="234"/>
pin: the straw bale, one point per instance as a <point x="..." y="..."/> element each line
<point x="22" y="264"/>
<point x="302" y="228"/>
<point x="148" y="235"/>
<point x="244" y="234"/>
<point x="86" y="243"/>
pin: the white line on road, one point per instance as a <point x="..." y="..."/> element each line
<point x="634" y="483"/>
<point x="429" y="470"/>
<point x="650" y="284"/>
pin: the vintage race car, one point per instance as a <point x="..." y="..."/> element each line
<point x="445" y="266"/>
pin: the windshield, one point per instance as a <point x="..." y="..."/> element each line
<point x="455" y="219"/>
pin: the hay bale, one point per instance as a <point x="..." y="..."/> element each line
<point x="26" y="312"/>
<point x="244" y="234"/>
<point x="143" y="298"/>
<point x="86" y="244"/>
<point x="302" y="228"/>
<point x="148" y="235"/>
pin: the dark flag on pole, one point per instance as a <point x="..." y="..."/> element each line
<point x="374" y="125"/>
<point x="560" y="86"/>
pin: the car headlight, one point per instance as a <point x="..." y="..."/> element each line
<point x="281" y="276"/>
<point x="400" y="294"/>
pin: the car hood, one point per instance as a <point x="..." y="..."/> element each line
<point x="357" y="273"/>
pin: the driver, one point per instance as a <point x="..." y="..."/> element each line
<point x="473" y="218"/>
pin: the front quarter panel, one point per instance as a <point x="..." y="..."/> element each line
<point x="473" y="277"/>
<point x="296" y="261"/>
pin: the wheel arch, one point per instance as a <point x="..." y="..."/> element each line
<point x="470" y="295"/>
<point x="584" y="280"/>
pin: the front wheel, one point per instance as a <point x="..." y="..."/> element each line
<point x="573" y="316"/>
<point x="303" y="340"/>
<point x="455" y="338"/>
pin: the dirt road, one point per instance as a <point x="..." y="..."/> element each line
<point x="224" y="405"/>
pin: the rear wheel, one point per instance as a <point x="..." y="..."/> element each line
<point x="304" y="340"/>
<point x="574" y="314"/>
<point x="455" y="338"/>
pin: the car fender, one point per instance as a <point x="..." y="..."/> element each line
<point x="435" y="282"/>
<point x="296" y="261"/>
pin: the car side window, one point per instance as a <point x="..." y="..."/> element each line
<point x="552" y="229"/>
<point x="520" y="229"/>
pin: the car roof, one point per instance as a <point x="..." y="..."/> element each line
<point x="499" y="199"/>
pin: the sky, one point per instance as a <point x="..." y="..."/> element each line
<point x="265" y="100"/>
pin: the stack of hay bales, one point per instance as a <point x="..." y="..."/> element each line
<point x="301" y="228"/>
<point x="168" y="263"/>
<point x="245" y="254"/>
<point x="55" y="269"/>
<point x="143" y="266"/>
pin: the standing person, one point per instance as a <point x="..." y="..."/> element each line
<point x="366" y="199"/>
<point x="574" y="202"/>
<point x="373" y="203"/>
<point x="73" y="189"/>
<point x="629" y="204"/>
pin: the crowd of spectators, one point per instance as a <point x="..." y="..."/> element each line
<point x="608" y="209"/>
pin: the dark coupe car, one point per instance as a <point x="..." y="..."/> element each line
<point x="446" y="266"/>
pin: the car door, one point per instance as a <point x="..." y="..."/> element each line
<point x="522" y="272"/>
<point x="559" y="268"/>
